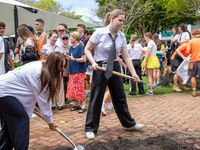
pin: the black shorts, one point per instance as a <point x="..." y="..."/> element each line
<point x="194" y="69"/>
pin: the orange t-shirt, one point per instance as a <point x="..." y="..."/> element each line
<point x="194" y="49"/>
<point x="182" y="49"/>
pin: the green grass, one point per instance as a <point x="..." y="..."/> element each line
<point x="17" y="64"/>
<point x="157" y="91"/>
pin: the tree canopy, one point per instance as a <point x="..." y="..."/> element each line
<point x="52" y="6"/>
<point x="152" y="15"/>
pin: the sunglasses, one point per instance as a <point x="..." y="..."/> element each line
<point x="65" y="38"/>
<point x="61" y="30"/>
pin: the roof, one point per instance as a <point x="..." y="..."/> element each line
<point x="26" y="17"/>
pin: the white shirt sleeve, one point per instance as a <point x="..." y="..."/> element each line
<point x="187" y="36"/>
<point x="41" y="98"/>
<point x="95" y="37"/>
<point x="150" y="45"/>
<point x="2" y="50"/>
<point x="29" y="42"/>
<point x="124" y="44"/>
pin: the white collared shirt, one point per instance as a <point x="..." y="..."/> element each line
<point x="152" y="45"/>
<point x="135" y="52"/>
<point x="47" y="49"/>
<point x="103" y="42"/>
<point x="2" y="51"/>
<point x="23" y="83"/>
<point x="184" y="36"/>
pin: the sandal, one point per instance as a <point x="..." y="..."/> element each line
<point x="194" y="94"/>
<point x="73" y="108"/>
<point x="82" y="110"/>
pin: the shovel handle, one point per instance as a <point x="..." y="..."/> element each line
<point x="121" y="75"/>
<point x="38" y="113"/>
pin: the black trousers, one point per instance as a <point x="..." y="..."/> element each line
<point x="138" y="70"/>
<point x="115" y="85"/>
<point x="15" y="125"/>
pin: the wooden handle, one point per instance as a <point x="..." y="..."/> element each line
<point x="121" y="75"/>
<point x="116" y="73"/>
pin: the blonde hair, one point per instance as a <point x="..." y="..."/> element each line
<point x="149" y="35"/>
<point x="133" y="38"/>
<point x="113" y="14"/>
<point x="76" y="35"/>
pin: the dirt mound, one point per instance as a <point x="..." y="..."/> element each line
<point x="155" y="143"/>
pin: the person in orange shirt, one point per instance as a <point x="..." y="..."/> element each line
<point x="40" y="34"/>
<point x="181" y="51"/>
<point x="193" y="48"/>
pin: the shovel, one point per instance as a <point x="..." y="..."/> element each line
<point x="76" y="147"/>
<point x="121" y="75"/>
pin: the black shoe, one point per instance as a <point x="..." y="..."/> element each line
<point x="132" y="93"/>
<point x="60" y="107"/>
<point x="82" y="110"/>
<point x="75" y="108"/>
<point x="142" y="92"/>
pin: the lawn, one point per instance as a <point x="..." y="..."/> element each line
<point x="157" y="91"/>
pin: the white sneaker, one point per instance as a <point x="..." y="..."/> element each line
<point x="149" y="92"/>
<point x="90" y="135"/>
<point x="137" y="126"/>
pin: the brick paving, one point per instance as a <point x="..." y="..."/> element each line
<point x="175" y="114"/>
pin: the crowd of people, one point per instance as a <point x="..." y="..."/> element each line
<point x="60" y="67"/>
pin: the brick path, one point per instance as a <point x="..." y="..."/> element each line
<point x="177" y="114"/>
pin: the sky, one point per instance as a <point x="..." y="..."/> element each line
<point x="86" y="8"/>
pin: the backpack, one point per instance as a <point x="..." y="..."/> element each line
<point x="29" y="55"/>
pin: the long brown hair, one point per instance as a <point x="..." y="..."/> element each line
<point x="25" y="33"/>
<point x="52" y="72"/>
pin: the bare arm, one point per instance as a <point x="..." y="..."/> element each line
<point x="148" y="54"/>
<point x="79" y="60"/>
<point x="88" y="49"/>
<point x="10" y="61"/>
<point x="122" y="63"/>
<point x="1" y="55"/>
<point x="179" y="53"/>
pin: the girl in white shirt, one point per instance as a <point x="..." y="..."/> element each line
<point x="50" y="46"/>
<point x="184" y="35"/>
<point x="135" y="51"/>
<point x="107" y="43"/>
<point x="28" y="43"/>
<point x="151" y="61"/>
<point x="20" y="89"/>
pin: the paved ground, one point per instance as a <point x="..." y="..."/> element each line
<point x="177" y="115"/>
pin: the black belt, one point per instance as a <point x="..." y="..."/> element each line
<point x="105" y="62"/>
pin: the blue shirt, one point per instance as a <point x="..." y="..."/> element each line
<point x="76" y="52"/>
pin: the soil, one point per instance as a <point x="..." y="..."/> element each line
<point x="153" y="143"/>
